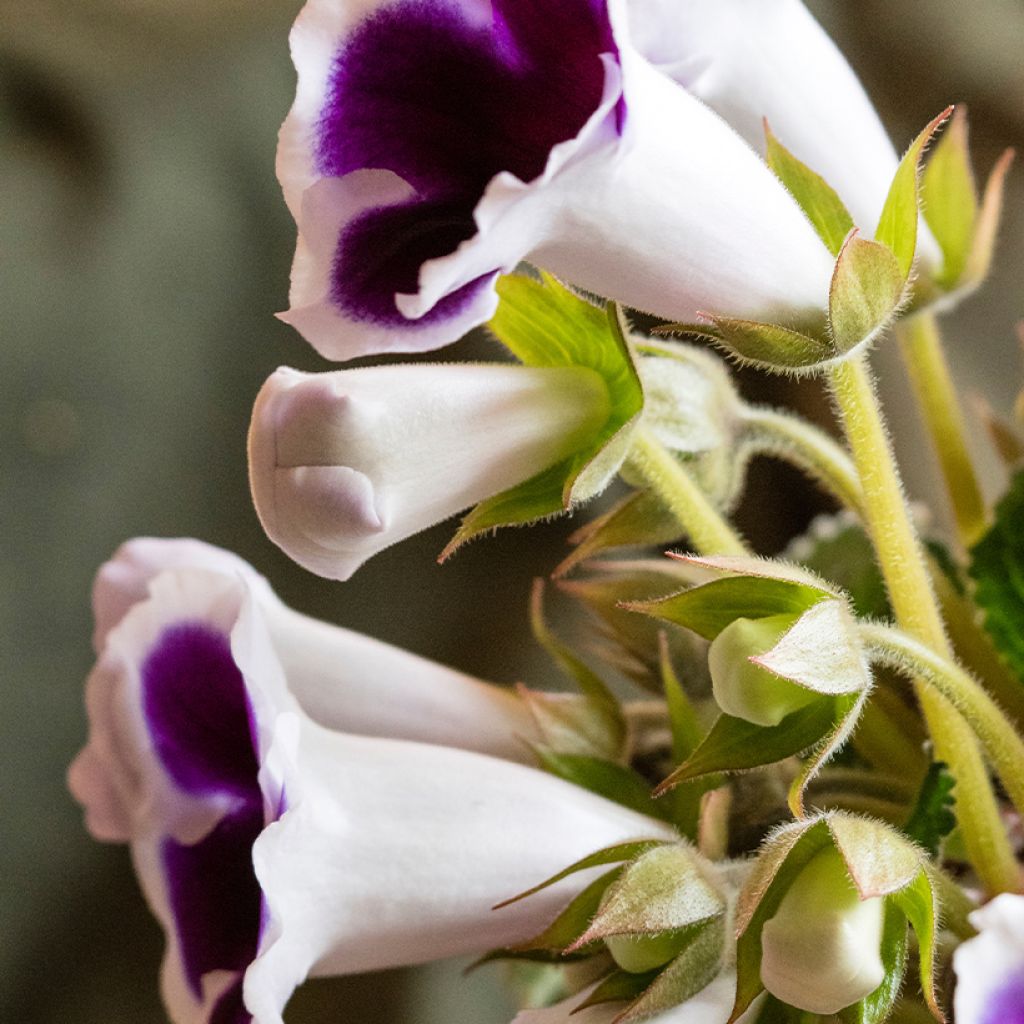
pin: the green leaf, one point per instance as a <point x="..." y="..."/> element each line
<point x="545" y="324"/>
<point x="735" y="745"/>
<point x="773" y="1011"/>
<point x="639" y="520"/>
<point x="950" y="199"/>
<point x="687" y="731"/>
<point x="897" y="226"/>
<point x="606" y="778"/>
<point x="604" y="707"/>
<point x="997" y="566"/>
<point x="876" y="1007"/>
<point x="563" y="931"/>
<point x="609" y="855"/>
<point x="707" y="609"/>
<point x="690" y="972"/>
<point x="782" y="858"/>
<point x="866" y="290"/>
<point x="821" y="203"/>
<point x="932" y="818"/>
<point x="618" y="987"/>
<point x="662" y="890"/>
<point x="770" y="346"/>
<point x="918" y="903"/>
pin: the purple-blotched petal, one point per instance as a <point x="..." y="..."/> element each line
<point x="1007" y="1003"/>
<point x="447" y="103"/>
<point x="197" y="712"/>
<point x="230" y="1009"/>
<point x="215" y="898"/>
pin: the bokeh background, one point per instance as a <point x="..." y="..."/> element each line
<point x="143" y="250"/>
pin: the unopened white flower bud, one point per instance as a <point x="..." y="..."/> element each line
<point x="638" y="954"/>
<point x="821" y="951"/>
<point x="345" y="464"/>
<point x="746" y="690"/>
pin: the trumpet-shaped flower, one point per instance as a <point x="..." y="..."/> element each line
<point x="752" y="60"/>
<point x="990" y="967"/>
<point x="271" y="848"/>
<point x="436" y="143"/>
<point x="345" y="464"/>
<point x="342" y="679"/>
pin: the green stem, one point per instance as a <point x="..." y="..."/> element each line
<point x="913" y="600"/>
<point x="1001" y="742"/>
<point x="921" y="347"/>
<point x="793" y="439"/>
<point x="707" y="528"/>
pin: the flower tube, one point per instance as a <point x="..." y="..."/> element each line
<point x="344" y="464"/>
<point x="271" y="848"/>
<point x="342" y="679"/>
<point x="547" y="137"/>
<point x="752" y="60"/>
<point x="990" y="967"/>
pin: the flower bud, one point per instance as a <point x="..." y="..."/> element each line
<point x="638" y="954"/>
<point x="746" y="690"/>
<point x="821" y="950"/>
<point x="345" y="464"/>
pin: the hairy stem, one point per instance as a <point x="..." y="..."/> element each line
<point x="793" y="439"/>
<point x="921" y="347"/>
<point x="913" y="600"/>
<point x="708" y="530"/>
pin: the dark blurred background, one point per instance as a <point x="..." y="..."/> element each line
<point x="144" y="248"/>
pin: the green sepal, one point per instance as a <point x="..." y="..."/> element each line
<point x="639" y="520"/>
<point x="865" y="293"/>
<point x="618" y="987"/>
<point x="613" y="781"/>
<point x="708" y="608"/>
<point x="691" y="971"/>
<point x="545" y="324"/>
<point x="920" y="905"/>
<point x="662" y="890"/>
<point x="554" y="942"/>
<point x="770" y="346"/>
<point x="604" y="708"/>
<point x="736" y="745"/>
<point x="932" y="818"/>
<point x="609" y="855"/>
<point x="571" y="724"/>
<point x="897" y="225"/>
<point x="819" y="201"/>
<point x="773" y="1011"/>
<point x="875" y="1008"/>
<point x="949" y="197"/>
<point x="986" y="229"/>
<point x="997" y="567"/>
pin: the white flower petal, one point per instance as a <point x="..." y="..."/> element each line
<point x="990" y="967"/>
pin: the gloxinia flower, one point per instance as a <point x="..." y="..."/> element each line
<point x="755" y="59"/>
<point x="271" y="848"/>
<point x="436" y="143"/>
<point x="342" y="679"/>
<point x="990" y="967"/>
<point x="344" y="464"/>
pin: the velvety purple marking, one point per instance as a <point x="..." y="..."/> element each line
<point x="1007" y="1004"/>
<point x="215" y="897"/>
<point x="230" y="1009"/>
<point x="198" y="716"/>
<point x="420" y="90"/>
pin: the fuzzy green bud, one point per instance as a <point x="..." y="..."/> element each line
<point x="641" y="953"/>
<point x="748" y="691"/>
<point x="821" y="950"/>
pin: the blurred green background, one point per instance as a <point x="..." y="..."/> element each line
<point x="144" y="248"/>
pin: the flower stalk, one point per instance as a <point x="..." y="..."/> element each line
<point x="922" y="351"/>
<point x="913" y="599"/>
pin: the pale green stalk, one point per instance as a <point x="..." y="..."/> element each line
<point x="1004" y="747"/>
<point x="921" y="347"/>
<point x="706" y="527"/>
<point x="913" y="600"/>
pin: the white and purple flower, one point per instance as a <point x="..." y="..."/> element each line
<point x="342" y="679"/>
<point x="434" y="144"/>
<point x="990" y="967"/>
<point x="271" y="848"/>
